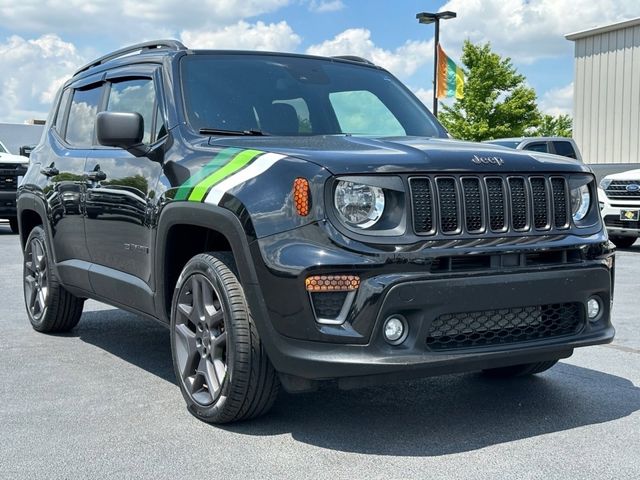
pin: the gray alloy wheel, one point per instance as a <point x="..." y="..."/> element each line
<point x="221" y="366"/>
<point x="50" y="307"/>
<point x="201" y="340"/>
<point x="36" y="278"/>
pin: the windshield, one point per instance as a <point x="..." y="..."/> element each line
<point x="2" y="149"/>
<point x="288" y="95"/>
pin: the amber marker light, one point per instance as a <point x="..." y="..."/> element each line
<point x="332" y="283"/>
<point x="301" y="196"/>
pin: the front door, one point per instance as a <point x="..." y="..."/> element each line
<point x="120" y="200"/>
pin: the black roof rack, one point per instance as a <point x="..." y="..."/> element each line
<point x="138" y="47"/>
<point x="354" y="58"/>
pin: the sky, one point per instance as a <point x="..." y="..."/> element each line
<point x="42" y="42"/>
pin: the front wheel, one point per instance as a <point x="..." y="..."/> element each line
<point x="220" y="363"/>
<point x="623" y="242"/>
<point x="523" y="370"/>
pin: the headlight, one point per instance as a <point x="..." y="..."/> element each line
<point x="604" y="183"/>
<point x="580" y="202"/>
<point x="359" y="205"/>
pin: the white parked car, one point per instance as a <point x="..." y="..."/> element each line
<point x="619" y="196"/>
<point x="11" y="168"/>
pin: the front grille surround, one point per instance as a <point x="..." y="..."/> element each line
<point x="513" y="204"/>
<point x="617" y="190"/>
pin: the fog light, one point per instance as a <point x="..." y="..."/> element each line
<point x="593" y="309"/>
<point x="395" y="330"/>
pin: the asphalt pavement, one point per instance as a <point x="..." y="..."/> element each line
<point x="101" y="402"/>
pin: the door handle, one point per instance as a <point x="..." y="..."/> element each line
<point x="49" y="171"/>
<point x="96" y="175"/>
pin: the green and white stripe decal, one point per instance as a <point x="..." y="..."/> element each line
<point x="229" y="168"/>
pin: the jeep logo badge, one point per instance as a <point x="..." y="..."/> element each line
<point x="634" y="187"/>
<point x="488" y="160"/>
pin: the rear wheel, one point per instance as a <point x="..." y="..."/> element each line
<point x="623" y="242"/>
<point x="220" y="364"/>
<point x="13" y="224"/>
<point x="519" y="370"/>
<point x="50" y="307"/>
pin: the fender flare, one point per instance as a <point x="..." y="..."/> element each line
<point x="214" y="218"/>
<point x="30" y="201"/>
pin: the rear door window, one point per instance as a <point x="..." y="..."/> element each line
<point x="537" y="147"/>
<point x="58" y="124"/>
<point x="82" y="116"/>
<point x="565" y="149"/>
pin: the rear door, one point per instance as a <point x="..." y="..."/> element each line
<point x="121" y="191"/>
<point x="70" y="138"/>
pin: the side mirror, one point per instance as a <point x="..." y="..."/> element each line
<point x="119" y="129"/>
<point x="26" y="150"/>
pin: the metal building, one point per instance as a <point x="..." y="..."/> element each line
<point x="606" y="99"/>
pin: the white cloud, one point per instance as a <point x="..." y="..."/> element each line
<point x="558" y="101"/>
<point x="403" y="61"/>
<point x="128" y="20"/>
<point x="425" y="96"/>
<point x="528" y="30"/>
<point x="32" y="72"/>
<point x="245" y="36"/>
<point x="324" y="6"/>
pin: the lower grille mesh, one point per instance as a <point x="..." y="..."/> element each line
<point x="505" y="326"/>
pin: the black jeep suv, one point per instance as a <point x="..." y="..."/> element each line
<point x="296" y="219"/>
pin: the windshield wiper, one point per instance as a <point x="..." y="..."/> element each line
<point x="219" y="131"/>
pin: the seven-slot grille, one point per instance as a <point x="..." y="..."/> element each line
<point x="456" y="204"/>
<point x="617" y="190"/>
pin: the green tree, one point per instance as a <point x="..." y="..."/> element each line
<point x="497" y="102"/>
<point x="550" y="126"/>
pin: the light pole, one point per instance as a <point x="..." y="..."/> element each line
<point x="427" y="18"/>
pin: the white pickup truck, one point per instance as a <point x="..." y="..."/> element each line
<point x="619" y="197"/>
<point x="11" y="168"/>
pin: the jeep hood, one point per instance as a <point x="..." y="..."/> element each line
<point x="13" y="159"/>
<point x="344" y="154"/>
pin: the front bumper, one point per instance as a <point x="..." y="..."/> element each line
<point x="356" y="353"/>
<point x="611" y="216"/>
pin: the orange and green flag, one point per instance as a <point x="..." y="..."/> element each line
<point x="450" y="79"/>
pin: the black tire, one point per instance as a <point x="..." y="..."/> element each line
<point x="622" y="242"/>
<point x="51" y="309"/>
<point x="13" y="224"/>
<point x="519" y="370"/>
<point x="220" y="363"/>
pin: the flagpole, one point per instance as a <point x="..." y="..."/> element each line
<point x="435" y="67"/>
<point x="427" y="18"/>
